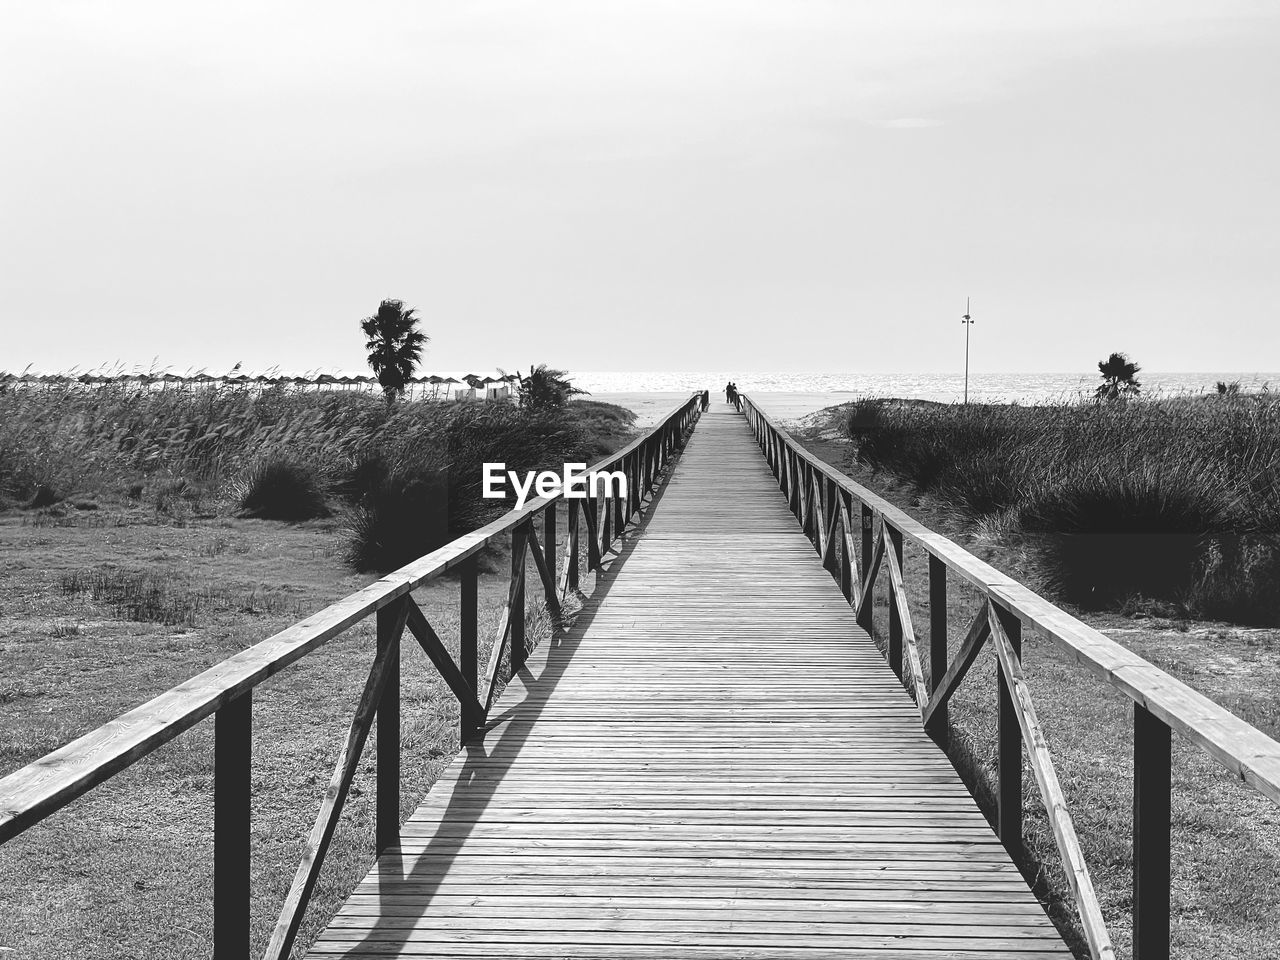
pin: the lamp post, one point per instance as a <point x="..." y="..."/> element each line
<point x="968" y="322"/>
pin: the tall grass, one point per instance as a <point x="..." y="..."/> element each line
<point x="1174" y="499"/>
<point x="282" y="451"/>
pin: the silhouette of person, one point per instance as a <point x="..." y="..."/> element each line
<point x="728" y="392"/>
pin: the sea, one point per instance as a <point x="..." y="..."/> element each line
<point x="791" y="396"/>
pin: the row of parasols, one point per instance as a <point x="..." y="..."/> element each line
<point x="439" y="384"/>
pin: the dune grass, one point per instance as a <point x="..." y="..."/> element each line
<point x="289" y="455"/>
<point x="1172" y="501"/>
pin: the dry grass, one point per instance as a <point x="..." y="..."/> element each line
<point x="1226" y="838"/>
<point x="1171" y="501"/>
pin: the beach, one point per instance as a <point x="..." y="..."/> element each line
<point x="785" y="405"/>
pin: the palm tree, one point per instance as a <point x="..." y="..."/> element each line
<point x="546" y="389"/>
<point x="1118" y="378"/>
<point x="395" y="346"/>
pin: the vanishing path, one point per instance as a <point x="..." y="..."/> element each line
<point x="715" y="762"/>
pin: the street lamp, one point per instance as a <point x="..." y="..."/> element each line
<point x="968" y="322"/>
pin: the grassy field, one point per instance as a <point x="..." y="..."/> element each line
<point x="107" y="599"/>
<point x="1171" y="503"/>
<point x="1226" y="838"/>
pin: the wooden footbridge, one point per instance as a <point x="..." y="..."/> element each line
<point x="712" y="760"/>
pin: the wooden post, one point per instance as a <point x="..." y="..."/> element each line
<point x="620" y="503"/>
<point x="388" y="800"/>
<point x="831" y="498"/>
<point x="1152" y="785"/>
<point x="549" y="539"/>
<point x="519" y="541"/>
<point x="895" y="618"/>
<point x="868" y="544"/>
<point x="793" y="484"/>
<point x="232" y="788"/>
<point x="846" y="561"/>
<point x="606" y="524"/>
<point x="938" y="638"/>
<point x="575" y="556"/>
<point x="1009" y="737"/>
<point x="469" y="645"/>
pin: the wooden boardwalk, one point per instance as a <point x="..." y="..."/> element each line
<point x="715" y="762"/>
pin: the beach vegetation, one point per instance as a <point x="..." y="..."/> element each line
<point x="279" y="487"/>
<point x="394" y="344"/>
<point x="1174" y="500"/>
<point x="281" y="454"/>
<point x="1119" y="378"/>
<point x="546" y="389"/>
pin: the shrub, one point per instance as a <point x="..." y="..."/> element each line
<point x="401" y="515"/>
<point x="1106" y="537"/>
<point x="279" y="488"/>
<point x="1238" y="578"/>
<point x="1174" y="499"/>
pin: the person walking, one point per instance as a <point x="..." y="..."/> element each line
<point x="728" y="392"/>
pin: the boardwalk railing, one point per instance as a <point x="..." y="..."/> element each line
<point x="29" y="795"/>
<point x="858" y="534"/>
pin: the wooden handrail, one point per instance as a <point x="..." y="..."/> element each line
<point x="34" y="792"/>
<point x="1239" y="746"/>
<point x="1161" y="702"/>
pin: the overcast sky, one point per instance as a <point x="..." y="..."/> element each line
<point x="643" y="185"/>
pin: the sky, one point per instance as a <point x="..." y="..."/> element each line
<point x="801" y="185"/>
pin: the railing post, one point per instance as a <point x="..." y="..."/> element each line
<point x="1152" y="784"/>
<point x="388" y="798"/>
<point x="868" y="521"/>
<point x="549" y="539"/>
<point x="606" y="524"/>
<point x="895" y="618"/>
<point x="575" y="556"/>
<point x="469" y="645"/>
<point x="519" y="541"/>
<point x="232" y="789"/>
<point x="846" y="561"/>
<point x="633" y="485"/>
<point x="937" y="638"/>
<point x="1009" y="738"/>
<point x="832" y="503"/>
